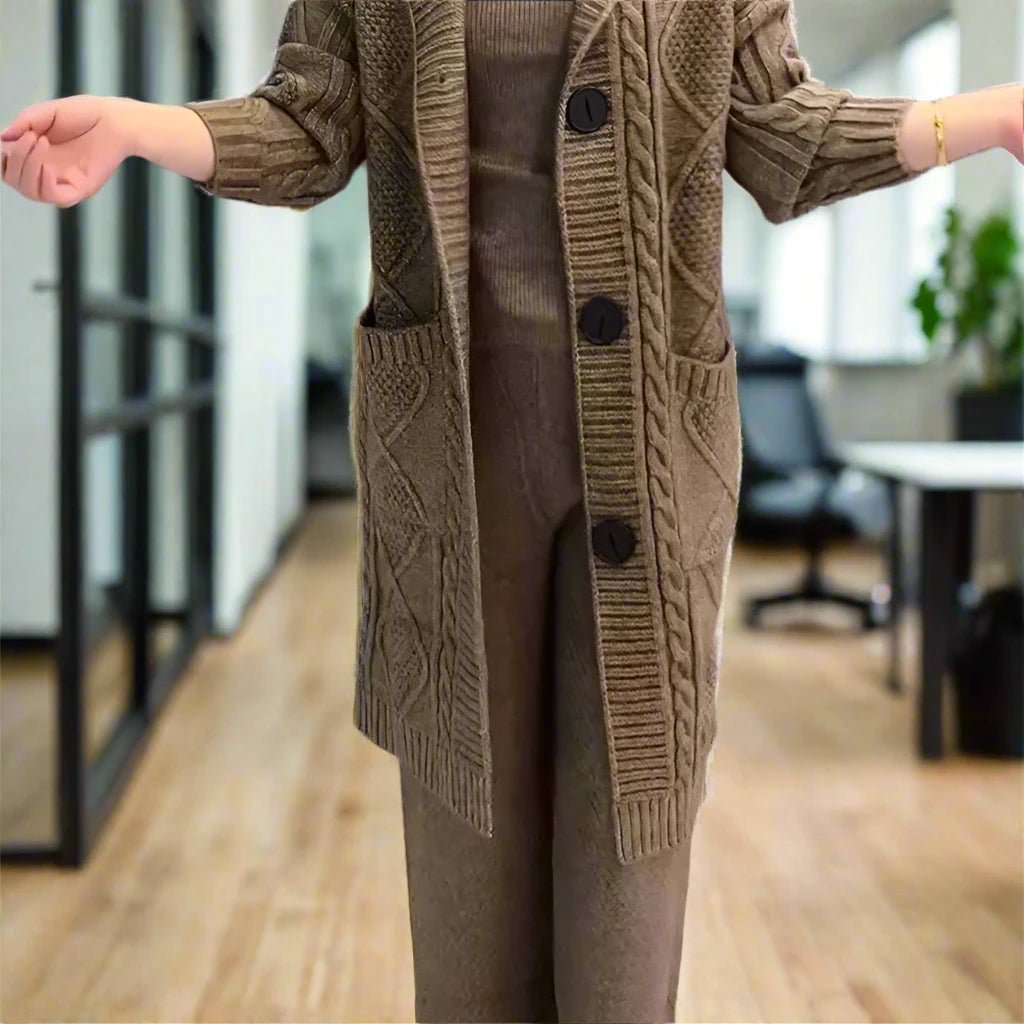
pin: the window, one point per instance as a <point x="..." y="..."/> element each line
<point x="887" y="240"/>
<point x="868" y="228"/>
<point x="798" y="278"/>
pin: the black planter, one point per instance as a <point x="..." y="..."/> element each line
<point x="990" y="414"/>
<point x="988" y="673"/>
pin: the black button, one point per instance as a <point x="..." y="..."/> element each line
<point x="587" y="110"/>
<point x="601" y="321"/>
<point x="613" y="541"/>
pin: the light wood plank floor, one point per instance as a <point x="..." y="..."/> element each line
<point x="254" y="870"/>
<point x="29" y="730"/>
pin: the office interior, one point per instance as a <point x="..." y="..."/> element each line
<point x="191" y="828"/>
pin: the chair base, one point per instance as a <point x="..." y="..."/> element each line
<point x="815" y="589"/>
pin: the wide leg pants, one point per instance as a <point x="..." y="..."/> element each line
<point x="540" y="922"/>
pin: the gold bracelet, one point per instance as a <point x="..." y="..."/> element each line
<point x="940" y="135"/>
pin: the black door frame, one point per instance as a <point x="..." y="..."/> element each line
<point x="86" y="792"/>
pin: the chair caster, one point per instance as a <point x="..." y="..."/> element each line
<point x="876" y="615"/>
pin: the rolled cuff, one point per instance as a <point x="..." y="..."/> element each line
<point x="859" y="152"/>
<point x="236" y="127"/>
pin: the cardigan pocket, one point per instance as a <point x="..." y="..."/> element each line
<point x="705" y="445"/>
<point x="705" y="442"/>
<point x="402" y="416"/>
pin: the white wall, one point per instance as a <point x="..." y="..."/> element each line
<point x="28" y="350"/>
<point x="261" y="307"/>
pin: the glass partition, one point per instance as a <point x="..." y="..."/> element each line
<point x="134" y="458"/>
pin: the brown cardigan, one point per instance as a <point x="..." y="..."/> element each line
<point x="692" y="87"/>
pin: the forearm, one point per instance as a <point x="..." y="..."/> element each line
<point x="974" y="122"/>
<point x="171" y="137"/>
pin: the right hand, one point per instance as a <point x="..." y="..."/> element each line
<point x="64" y="151"/>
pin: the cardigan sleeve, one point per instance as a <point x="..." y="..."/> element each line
<point x="792" y="142"/>
<point x="297" y="137"/>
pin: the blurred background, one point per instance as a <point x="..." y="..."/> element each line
<point x="191" y="829"/>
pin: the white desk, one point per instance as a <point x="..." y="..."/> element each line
<point x="940" y="466"/>
<point x="948" y="475"/>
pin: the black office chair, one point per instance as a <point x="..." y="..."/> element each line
<point x="790" y="491"/>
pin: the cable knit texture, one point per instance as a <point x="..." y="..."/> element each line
<point x="694" y="88"/>
<point x="297" y="139"/>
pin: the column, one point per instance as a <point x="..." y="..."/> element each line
<point x="992" y="53"/>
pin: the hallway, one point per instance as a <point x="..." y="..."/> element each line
<point x="254" y="870"/>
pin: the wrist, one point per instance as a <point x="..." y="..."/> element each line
<point x="130" y="122"/>
<point x="1011" y="117"/>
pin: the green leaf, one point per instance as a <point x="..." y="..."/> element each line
<point x="926" y="302"/>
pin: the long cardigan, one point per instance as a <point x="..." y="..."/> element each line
<point x="691" y="88"/>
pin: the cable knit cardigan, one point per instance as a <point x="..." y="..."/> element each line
<point x="693" y="87"/>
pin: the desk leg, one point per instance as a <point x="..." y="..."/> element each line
<point x="896" y="596"/>
<point x="946" y="529"/>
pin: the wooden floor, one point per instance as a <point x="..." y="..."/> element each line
<point x="29" y="729"/>
<point x="254" y="869"/>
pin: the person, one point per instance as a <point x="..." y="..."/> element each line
<point x="545" y="422"/>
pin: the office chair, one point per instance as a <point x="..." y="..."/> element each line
<point x="790" y="489"/>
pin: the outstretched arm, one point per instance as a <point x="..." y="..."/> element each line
<point x="796" y="144"/>
<point x="294" y="141"/>
<point x="64" y="151"/>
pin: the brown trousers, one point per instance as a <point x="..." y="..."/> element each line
<point x="541" y="922"/>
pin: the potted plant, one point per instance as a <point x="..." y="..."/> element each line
<point x="974" y="302"/>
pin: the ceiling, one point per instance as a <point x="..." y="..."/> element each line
<point x="836" y="35"/>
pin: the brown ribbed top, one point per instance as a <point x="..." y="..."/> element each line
<point x="516" y="56"/>
<point x="522" y="382"/>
